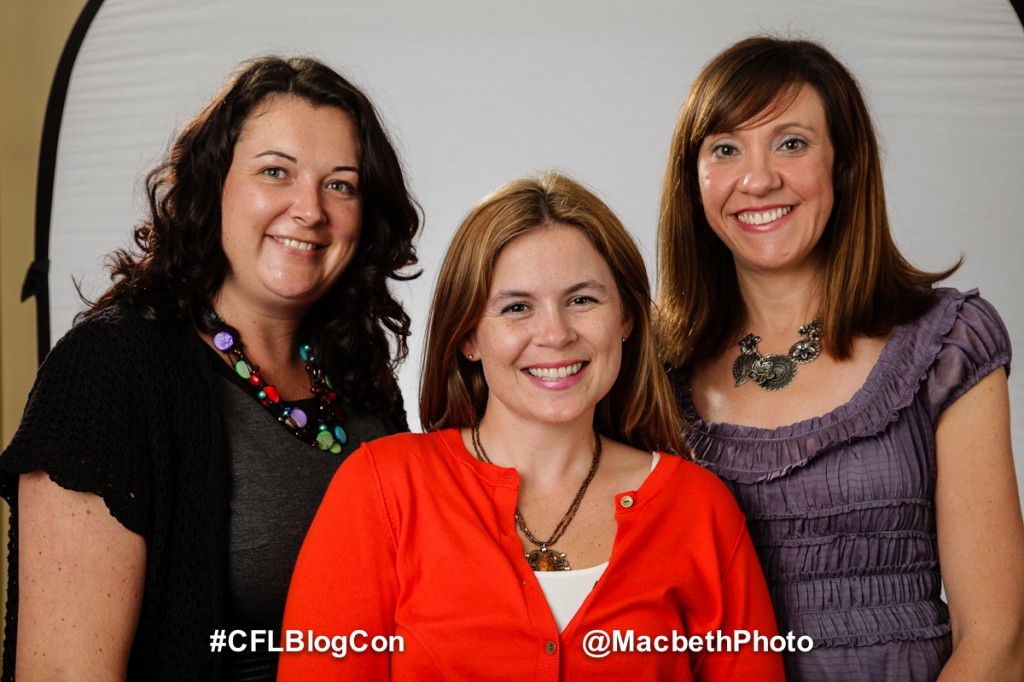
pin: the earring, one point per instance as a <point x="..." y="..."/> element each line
<point x="469" y="356"/>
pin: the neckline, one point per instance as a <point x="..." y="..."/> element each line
<point x="224" y="370"/>
<point x="876" y="378"/>
<point x="508" y="476"/>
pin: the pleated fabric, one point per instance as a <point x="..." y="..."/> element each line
<point x="841" y="506"/>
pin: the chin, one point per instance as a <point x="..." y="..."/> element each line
<point x="296" y="292"/>
<point x="560" y="416"/>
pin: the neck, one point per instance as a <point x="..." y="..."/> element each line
<point x="270" y="335"/>
<point x="539" y="452"/>
<point x="775" y="306"/>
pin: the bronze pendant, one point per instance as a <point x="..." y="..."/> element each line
<point x="544" y="559"/>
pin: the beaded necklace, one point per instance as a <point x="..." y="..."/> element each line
<point x="324" y="431"/>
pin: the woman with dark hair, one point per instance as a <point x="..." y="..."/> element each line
<point x="205" y="400"/>
<point x="542" y="508"/>
<point x="877" y="446"/>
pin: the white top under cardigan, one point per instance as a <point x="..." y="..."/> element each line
<point x="565" y="591"/>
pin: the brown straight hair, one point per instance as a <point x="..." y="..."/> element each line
<point x="639" y="409"/>
<point x="867" y="285"/>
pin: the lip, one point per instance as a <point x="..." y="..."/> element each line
<point x="561" y="382"/>
<point x="296" y="246"/>
<point x="764" y="213"/>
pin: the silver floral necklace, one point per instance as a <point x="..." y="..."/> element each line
<point x="775" y="372"/>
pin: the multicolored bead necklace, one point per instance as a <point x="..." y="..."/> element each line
<point x="325" y="430"/>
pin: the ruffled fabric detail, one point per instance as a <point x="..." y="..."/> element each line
<point x="841" y="507"/>
<point x="879" y="625"/>
<point x="747" y="455"/>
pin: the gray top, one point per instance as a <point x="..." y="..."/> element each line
<point x="841" y="506"/>
<point x="277" y="482"/>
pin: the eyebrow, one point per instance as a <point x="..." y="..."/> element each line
<point x="775" y="130"/>
<point x="785" y="125"/>
<point x="289" y="157"/>
<point x="514" y="293"/>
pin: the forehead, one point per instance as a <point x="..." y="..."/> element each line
<point x="549" y="255"/>
<point x="734" y="111"/>
<point x="279" y="112"/>
<point x="802" y="102"/>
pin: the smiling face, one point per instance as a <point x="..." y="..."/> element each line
<point x="767" y="189"/>
<point x="290" y="206"/>
<point x="550" y="338"/>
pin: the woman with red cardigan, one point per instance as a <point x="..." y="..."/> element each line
<point x="541" y="529"/>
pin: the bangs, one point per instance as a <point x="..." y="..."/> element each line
<point x="747" y="101"/>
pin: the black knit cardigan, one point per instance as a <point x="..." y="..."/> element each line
<point x="124" y="408"/>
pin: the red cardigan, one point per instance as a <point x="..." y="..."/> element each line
<point x="415" y="537"/>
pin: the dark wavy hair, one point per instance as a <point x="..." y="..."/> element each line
<point x="180" y="263"/>
<point x="867" y="285"/>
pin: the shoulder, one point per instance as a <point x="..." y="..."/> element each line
<point x="394" y="472"/>
<point x="967" y="328"/>
<point x="957" y="342"/>
<point x="120" y="334"/>
<point x="403" y="446"/>
<point x="697" y="492"/>
<point x="964" y="318"/>
<point x="405" y="456"/>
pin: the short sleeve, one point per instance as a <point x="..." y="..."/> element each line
<point x="83" y="424"/>
<point x="976" y="344"/>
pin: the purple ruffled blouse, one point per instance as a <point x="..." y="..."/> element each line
<point x="841" y="506"/>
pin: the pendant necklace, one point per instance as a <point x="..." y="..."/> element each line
<point x="545" y="558"/>
<point x="775" y="372"/>
<point x="322" y="430"/>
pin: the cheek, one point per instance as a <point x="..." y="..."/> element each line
<point x="493" y="344"/>
<point x="228" y="236"/>
<point x="826" y="193"/>
<point x="705" y="183"/>
<point x="713" y="192"/>
<point x="348" y="220"/>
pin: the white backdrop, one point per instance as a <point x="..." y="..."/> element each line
<point x="477" y="93"/>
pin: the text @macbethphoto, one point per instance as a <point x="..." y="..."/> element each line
<point x="601" y="643"/>
<point x="596" y="643"/>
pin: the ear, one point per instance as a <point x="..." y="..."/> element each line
<point x="469" y="349"/>
<point x="627" y="327"/>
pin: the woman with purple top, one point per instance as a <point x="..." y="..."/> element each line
<point x="858" y="412"/>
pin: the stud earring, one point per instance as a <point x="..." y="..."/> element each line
<point x="469" y="356"/>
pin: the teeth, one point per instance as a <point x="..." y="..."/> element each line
<point x="553" y="373"/>
<point x="764" y="217"/>
<point x="296" y="244"/>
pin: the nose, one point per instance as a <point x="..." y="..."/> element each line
<point x="307" y="204"/>
<point x="554" y="328"/>
<point x="760" y="175"/>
